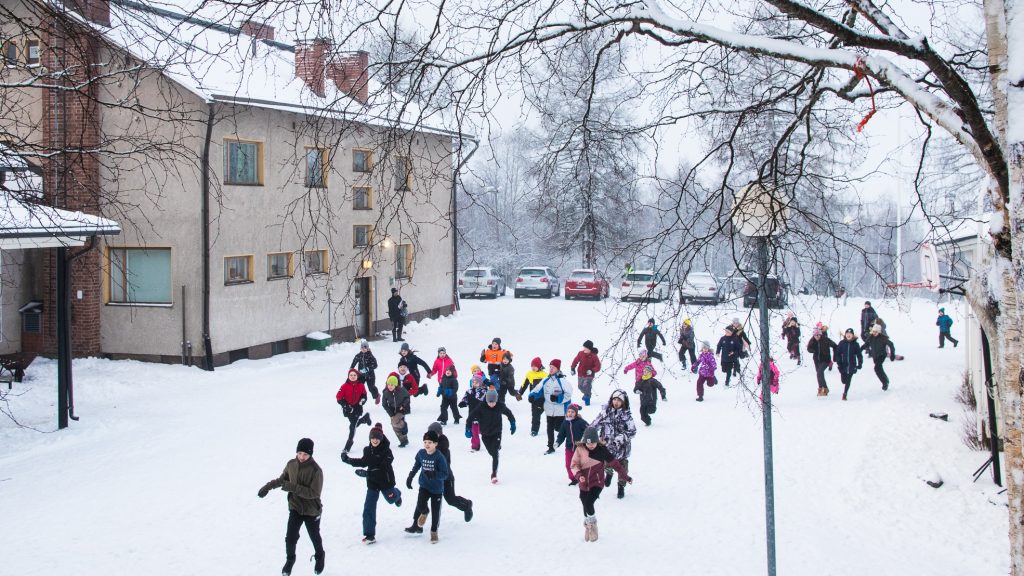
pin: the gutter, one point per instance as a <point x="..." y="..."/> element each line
<point x="205" y="168"/>
<point x="455" y="221"/>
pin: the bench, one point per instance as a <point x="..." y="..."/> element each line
<point x="15" y="365"/>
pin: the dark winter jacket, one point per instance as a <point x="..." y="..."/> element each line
<point x="588" y="466"/>
<point x="687" y="338"/>
<point x="729" y="347"/>
<point x="395" y="308"/>
<point x="449" y="387"/>
<point x="303" y="481"/>
<point x="649" y="337"/>
<point x="586" y="363"/>
<point x="379" y="473"/>
<point x="412" y="362"/>
<point x="395" y="401"/>
<point x="366" y="363"/>
<point x="867" y="318"/>
<point x="649" y="390"/>
<point x="489" y="418"/>
<point x="878" y="347"/>
<point x="821" y="349"/>
<point x="849" y="357"/>
<point x="570" y="432"/>
<point x="433" y="469"/>
<point x="506" y="378"/>
<point x="474" y="396"/>
<point x="791" y="333"/>
<point x="944" y="323"/>
<point x="444" y="447"/>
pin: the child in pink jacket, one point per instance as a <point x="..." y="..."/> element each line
<point x="775" y="377"/>
<point x="639" y="364"/>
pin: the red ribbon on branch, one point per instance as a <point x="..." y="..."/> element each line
<point x="861" y="71"/>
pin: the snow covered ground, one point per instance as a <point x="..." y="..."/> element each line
<point x="161" y="473"/>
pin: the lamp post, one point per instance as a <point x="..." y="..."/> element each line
<point x="760" y="214"/>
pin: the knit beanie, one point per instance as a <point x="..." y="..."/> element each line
<point x="556" y="363"/>
<point x="392" y="380"/>
<point x="589" y="345"/>
<point x="432" y="436"/>
<point x="405" y="348"/>
<point x="363" y="343"/>
<point x="705" y="344"/>
<point x="641" y="352"/>
<point x="353" y="371"/>
<point x="441" y="349"/>
<point x="574" y="407"/>
<point x="474" y="369"/>
<point x="496" y="341"/>
<point x="491" y="396"/>
<point x="305" y="445"/>
<point x="435" y="427"/>
<point x="377" y="431"/>
<point x="590" y="435"/>
<point x="537" y="363"/>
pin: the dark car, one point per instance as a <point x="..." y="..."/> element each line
<point x="775" y="290"/>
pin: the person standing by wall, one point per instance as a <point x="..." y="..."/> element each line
<point x="303" y="480"/>
<point x="395" y="315"/>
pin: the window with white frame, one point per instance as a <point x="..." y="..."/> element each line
<point x="362" y="160"/>
<point x="316" y="168"/>
<point x="139" y="275"/>
<point x="237" y="269"/>
<point x="315" y="261"/>
<point x="243" y="163"/>
<point x="279" y="265"/>
<point x="361" y="236"/>
<point x="362" y="198"/>
<point x="403" y="173"/>
<point x="32" y="52"/>
<point x="403" y="261"/>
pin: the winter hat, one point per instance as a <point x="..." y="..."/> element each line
<point x="394" y="290"/>
<point x="620" y="394"/>
<point x="589" y="345"/>
<point x="735" y="321"/>
<point x="435" y="427"/>
<point x="441" y="349"/>
<point x="392" y="380"/>
<point x="650" y="320"/>
<point x="590" y="436"/>
<point x="496" y="341"/>
<point x="850" y="331"/>
<point x="641" y="352"/>
<point x="305" y="445"/>
<point x="363" y="343"/>
<point x="574" y="407"/>
<point x="537" y="363"/>
<point x="405" y="348"/>
<point x="867" y="303"/>
<point x="474" y="369"/>
<point x="686" y="322"/>
<point x="729" y="329"/>
<point x="432" y="436"/>
<point x="705" y="344"/>
<point x="352" y="371"/>
<point x="556" y="363"/>
<point x="876" y="329"/>
<point x="377" y="431"/>
<point x="491" y="396"/>
<point x="478" y="377"/>
<point x="942" y="310"/>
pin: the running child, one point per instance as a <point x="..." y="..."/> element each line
<point x="380" y="479"/>
<point x="648" y="387"/>
<point x="487" y="415"/>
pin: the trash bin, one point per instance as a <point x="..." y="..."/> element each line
<point x="317" y="341"/>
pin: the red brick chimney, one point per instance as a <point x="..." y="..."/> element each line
<point x="349" y="72"/>
<point x="95" y="11"/>
<point x="311" y="63"/>
<point x="258" y="30"/>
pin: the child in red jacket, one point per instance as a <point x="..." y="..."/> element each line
<point x="351" y="397"/>
<point x="585" y="365"/>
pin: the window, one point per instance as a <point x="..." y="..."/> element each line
<point x="139" y="275"/>
<point x="11" y="53"/>
<point x="237" y="269"/>
<point x="361" y="236"/>
<point x="316" y="168"/>
<point x="32" y="52"/>
<point x="243" y="163"/>
<point x="403" y="173"/>
<point x="361" y="198"/>
<point x="315" y="261"/>
<point x="279" y="265"/>
<point x="362" y="160"/>
<point x="403" y="261"/>
<point x="31" y="322"/>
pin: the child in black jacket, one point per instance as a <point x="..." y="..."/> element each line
<point x="448" y="389"/>
<point x="380" y="478"/>
<point x="648" y="387"/>
<point x="366" y="363"/>
<point x="488" y="414"/>
<point x="571" y="432"/>
<point x="506" y="377"/>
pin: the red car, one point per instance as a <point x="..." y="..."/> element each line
<point x="586" y="283"/>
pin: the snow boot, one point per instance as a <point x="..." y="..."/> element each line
<point x="364" y="420"/>
<point x="550" y="450"/>
<point x="369" y="540"/>
<point x="494" y="478"/>
<point x="468" y="512"/>
<point x="414" y="529"/>
<point x="318" y="559"/>
<point x="607" y="479"/>
<point x="621" y="493"/>
<point x="288" y="563"/>
<point x="586" y="529"/>
<point x="593" y="528"/>
<point x="586" y="400"/>
<point x="421" y="520"/>
<point x="433" y="537"/>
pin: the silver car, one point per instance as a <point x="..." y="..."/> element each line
<point x="700" y="287"/>
<point x="539" y="281"/>
<point x="481" y="281"/>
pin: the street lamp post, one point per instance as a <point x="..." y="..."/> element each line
<point x="760" y="214"/>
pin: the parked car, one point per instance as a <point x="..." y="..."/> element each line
<point x="537" y="280"/>
<point x="775" y="290"/>
<point x="586" y="283"/>
<point x="643" y="285"/>
<point x="700" y="287"/>
<point x="481" y="281"/>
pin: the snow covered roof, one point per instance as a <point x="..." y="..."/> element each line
<point x="27" y="225"/>
<point x="218" y="62"/>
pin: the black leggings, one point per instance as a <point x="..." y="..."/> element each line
<point x="457" y="502"/>
<point x="589" y="497"/>
<point x="554" y="423"/>
<point x="435" y="508"/>
<point x="446" y="403"/>
<point x="880" y="372"/>
<point x="353" y="423"/>
<point x="291" y="537"/>
<point x="536" y="411"/>
<point x="653" y="354"/>
<point x="820" y="368"/>
<point x="493" y="446"/>
<point x="682" y="355"/>
<point x="846" y="380"/>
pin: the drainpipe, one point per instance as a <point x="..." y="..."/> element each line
<point x="455" y="222"/>
<point x="205" y="167"/>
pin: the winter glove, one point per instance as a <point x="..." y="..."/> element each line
<point x="554" y="398"/>
<point x="663" y="398"/>
<point x="892" y="357"/>
<point x="438" y="394"/>
<point x="408" y="481"/>
<point x="573" y="372"/>
<point x="463" y="404"/>
<point x="519" y="397"/>
<point x="263" y="492"/>
<point x="344" y="457"/>
<point x="361" y="472"/>
<point x="629" y="479"/>
<point x="289" y="487"/>
<point x="469" y="433"/>
<point x="590" y="372"/>
<point x="512" y="427"/>
<point x="341" y="403"/>
<point x="376" y="400"/>
<point x="694" y="369"/>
